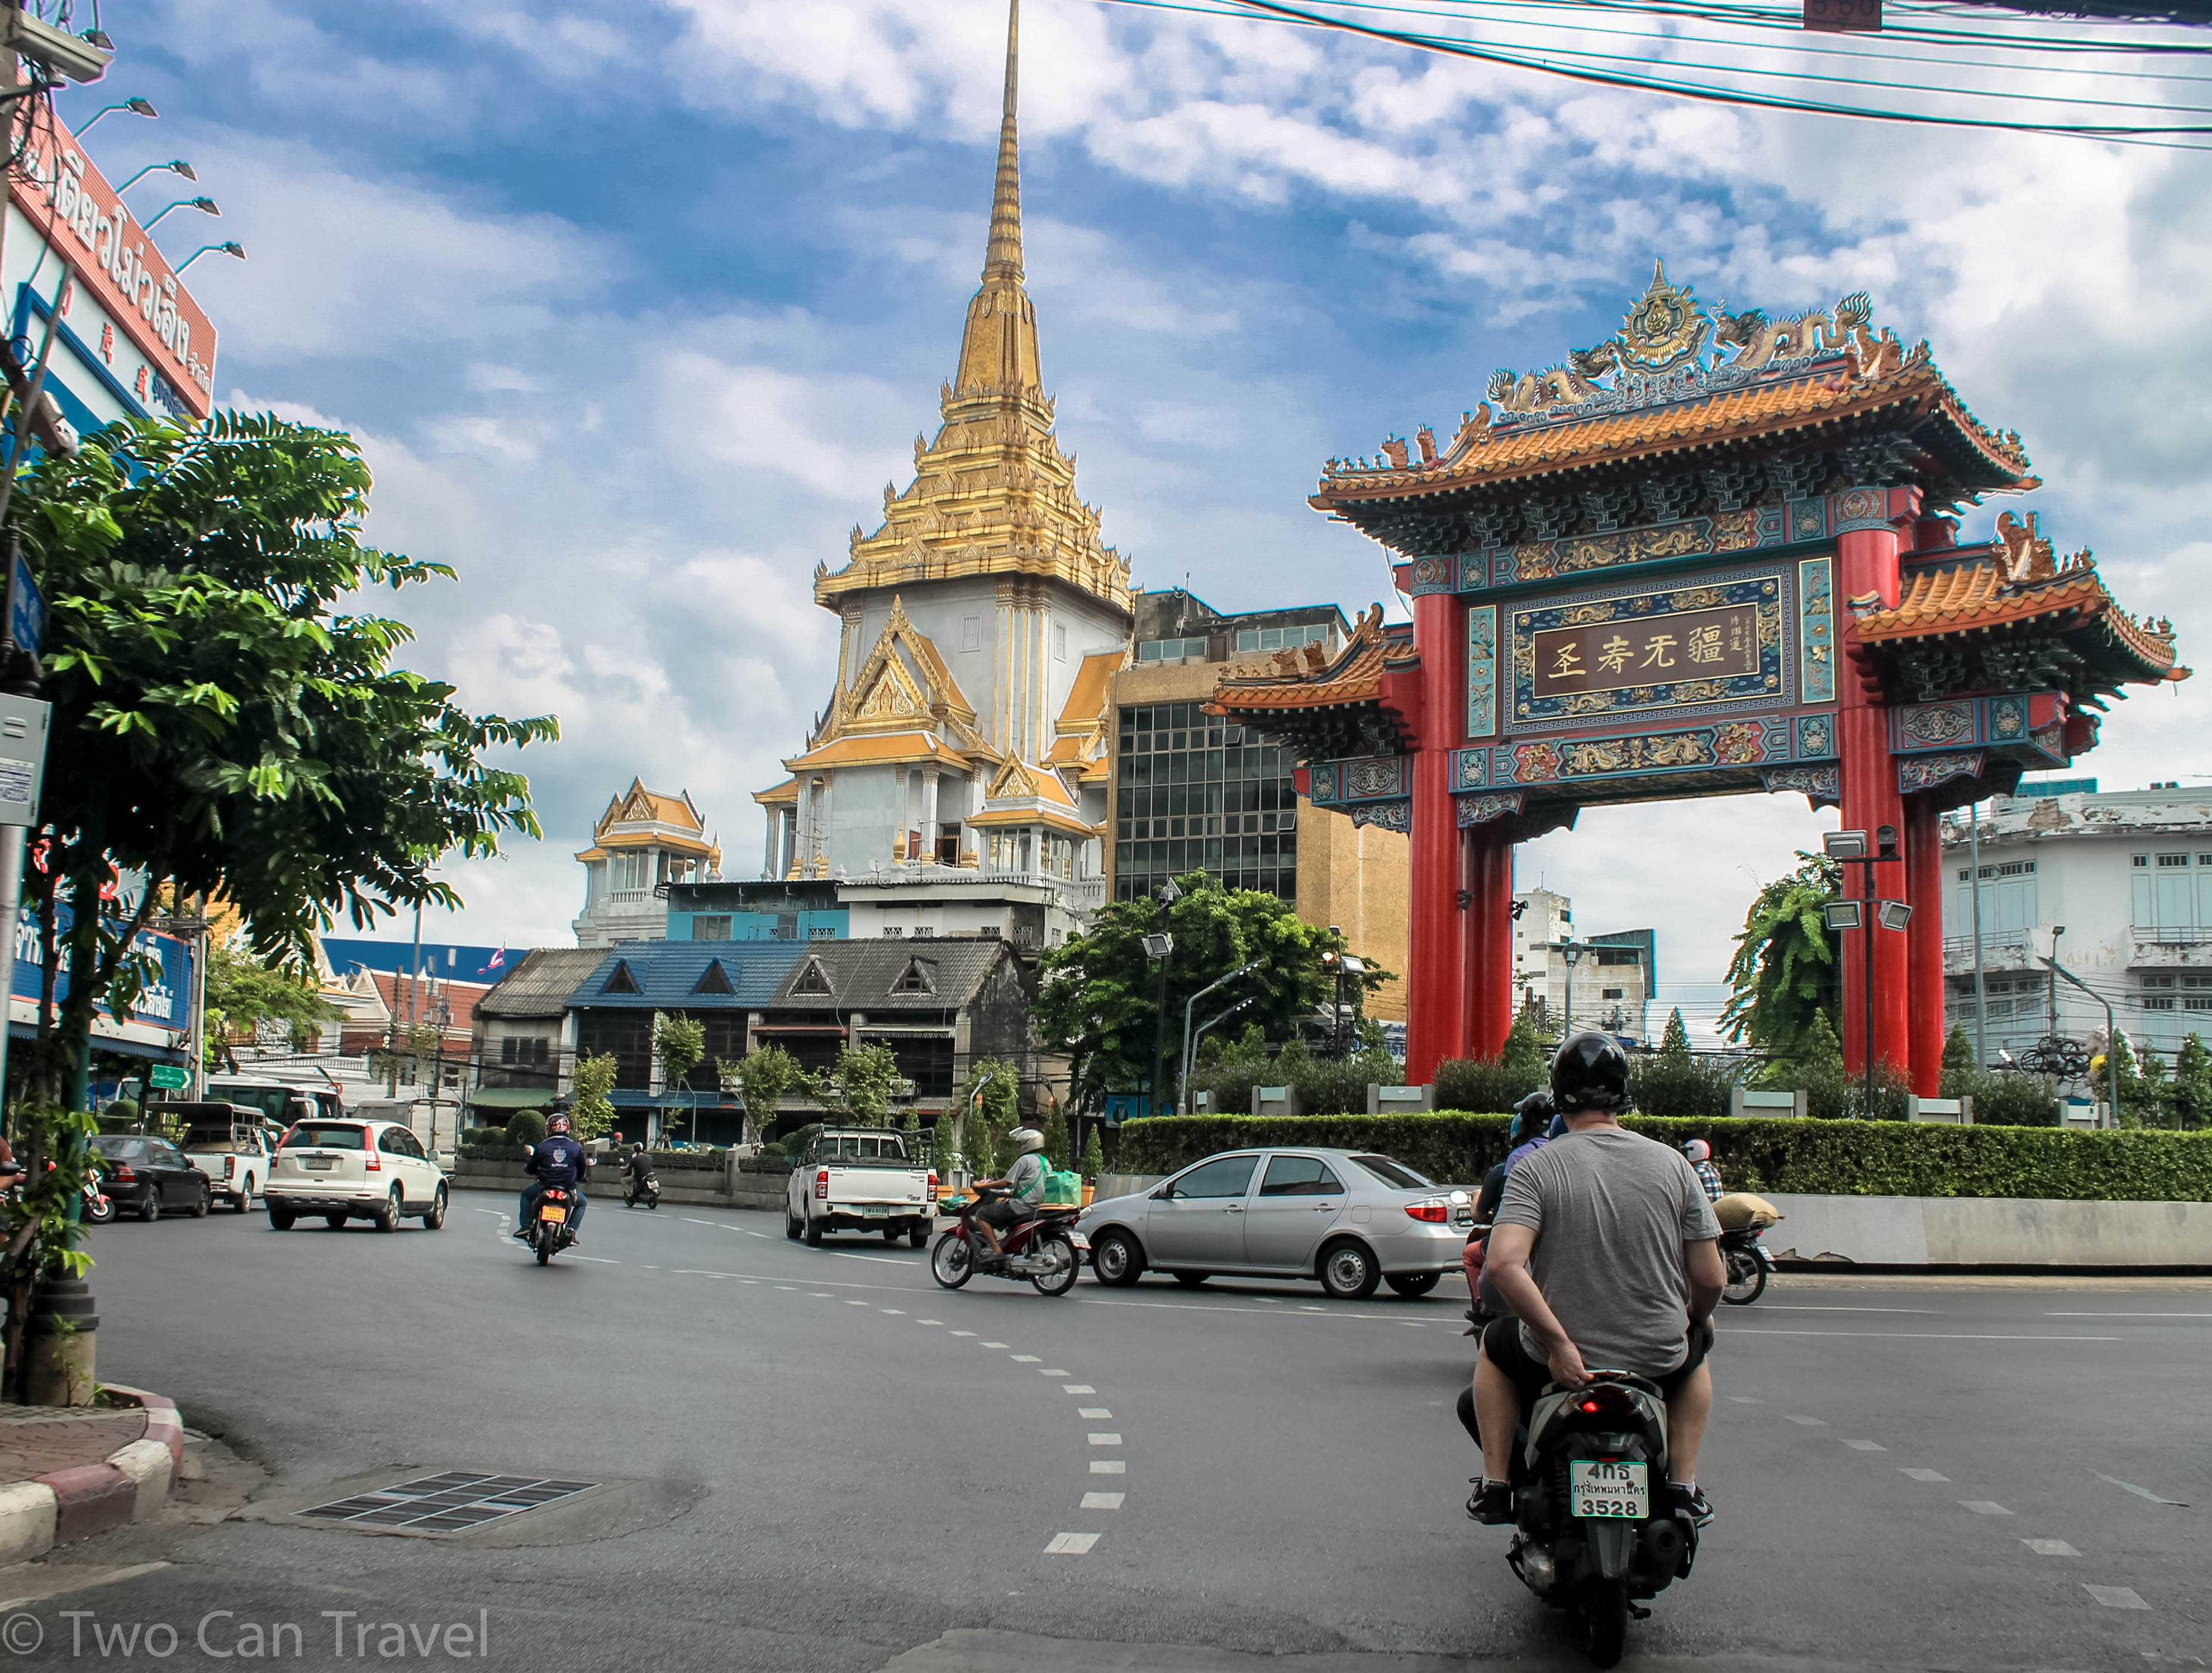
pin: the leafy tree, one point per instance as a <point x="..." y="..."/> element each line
<point x="1675" y="1041"/>
<point x="679" y="1043"/>
<point x="767" y="1076"/>
<point x="224" y="722"/>
<point x="1961" y="1073"/>
<point x="2192" y="1082"/>
<point x="2118" y="1063"/>
<point x="1787" y="960"/>
<point x="862" y="1082"/>
<point x="590" y="1112"/>
<point x="40" y="1223"/>
<point x="1054" y="1128"/>
<point x="243" y="992"/>
<point x="2156" y="1091"/>
<point x="1094" y="1155"/>
<point x="988" y="1101"/>
<point x="411" y="1052"/>
<point x="1099" y="995"/>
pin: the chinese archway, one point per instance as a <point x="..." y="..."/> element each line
<point x="1716" y="553"/>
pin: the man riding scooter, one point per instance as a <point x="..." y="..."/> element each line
<point x="560" y="1161"/>
<point x="1024" y="1185"/>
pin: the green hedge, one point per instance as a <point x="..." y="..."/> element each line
<point x="1815" y="1158"/>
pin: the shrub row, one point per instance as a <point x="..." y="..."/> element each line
<point x="1816" y="1158"/>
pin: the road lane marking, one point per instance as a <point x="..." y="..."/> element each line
<point x="959" y="1333"/>
<point x="1746" y="1399"/>
<point x="596" y="1260"/>
<point x="1807" y="1307"/>
<point x="1077" y="1388"/>
<point x="2051" y="1548"/>
<point x="1922" y="1474"/>
<point x="991" y="1344"/>
<point x="1105" y="1439"/>
<point x="1103" y="1501"/>
<point x="2115" y="1597"/>
<point x="1093" y="1411"/>
<point x="895" y="1312"/>
<point x="715" y="1224"/>
<point x="851" y="1301"/>
<point x="1023" y="1359"/>
<point x="821" y="1295"/>
<point x="887" y="1260"/>
<point x="1909" y="1336"/>
<point x="1866" y="1446"/>
<point x="1070" y="1545"/>
<point x="1046" y="1371"/>
<point x="929" y="1321"/>
<point x="2140" y="1493"/>
<point x="2128" y="1314"/>
<point x="1809" y="1422"/>
<point x="788" y="1289"/>
<point x="648" y="1268"/>
<point x="1109" y="1467"/>
<point x="750" y="1233"/>
<point x="1985" y="1507"/>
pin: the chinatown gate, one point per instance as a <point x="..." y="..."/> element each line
<point x="1715" y="554"/>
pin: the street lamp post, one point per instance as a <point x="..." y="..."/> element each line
<point x="2112" y="1027"/>
<point x="1157" y="948"/>
<point x="1570" y="953"/>
<point x="1189" y="1043"/>
<point x="1850" y="847"/>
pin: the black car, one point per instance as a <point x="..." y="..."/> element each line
<point x="148" y="1177"/>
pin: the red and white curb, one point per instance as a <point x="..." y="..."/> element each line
<point x="67" y="1504"/>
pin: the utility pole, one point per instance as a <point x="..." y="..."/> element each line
<point x="1981" y="987"/>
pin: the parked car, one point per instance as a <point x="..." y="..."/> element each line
<point x="149" y="1177"/>
<point x="230" y="1144"/>
<point x="1347" y="1218"/>
<point x="354" y="1170"/>
<point x="859" y="1178"/>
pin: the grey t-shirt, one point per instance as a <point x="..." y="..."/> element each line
<point x="1026" y="1178"/>
<point x="1611" y="1210"/>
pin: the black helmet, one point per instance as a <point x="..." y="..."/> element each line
<point x="1530" y="1115"/>
<point x="1589" y="1072"/>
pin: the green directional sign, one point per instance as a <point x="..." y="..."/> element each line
<point x="169" y="1077"/>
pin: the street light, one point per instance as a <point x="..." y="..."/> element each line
<point x="1189" y="1042"/>
<point x="136" y="106"/>
<point x="1571" y="953"/>
<point x="1157" y="948"/>
<point x="174" y="166"/>
<point x="231" y="249"/>
<point x="205" y="206"/>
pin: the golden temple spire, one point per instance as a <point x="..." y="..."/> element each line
<point x="998" y="347"/>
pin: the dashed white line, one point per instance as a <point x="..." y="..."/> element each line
<point x="850" y="1302"/>
<point x="1985" y="1507"/>
<point x="959" y="1333"/>
<point x="750" y="1233"/>
<point x="1866" y="1446"/>
<point x="992" y="1344"/>
<point x="1093" y="1411"/>
<point x="1806" y="1307"/>
<point x="1077" y="1388"/>
<point x="887" y="1260"/>
<point x="1809" y="1422"/>
<point x="1105" y="1439"/>
<point x="2051" y="1548"/>
<point x="2140" y="1493"/>
<point x="1023" y="1359"/>
<point x="1103" y="1501"/>
<point x="1744" y="1399"/>
<point x="1922" y="1474"/>
<point x="929" y="1321"/>
<point x="597" y="1259"/>
<point x="1044" y="1371"/>
<point x="1070" y="1545"/>
<point x="717" y="1225"/>
<point x="1109" y="1467"/>
<point x="2115" y="1597"/>
<point x="895" y="1312"/>
<point x="821" y="1295"/>
<point x="1912" y="1335"/>
<point x="2128" y="1314"/>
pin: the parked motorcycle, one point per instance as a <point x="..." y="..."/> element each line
<point x="1048" y="1251"/>
<point x="99" y="1206"/>
<point x="553" y="1229"/>
<point x="646" y="1191"/>
<point x="1749" y="1264"/>
<point x="1597" y="1531"/>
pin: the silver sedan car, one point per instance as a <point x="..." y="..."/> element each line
<point x="1348" y="1218"/>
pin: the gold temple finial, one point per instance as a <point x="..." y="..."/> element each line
<point x="1003" y="258"/>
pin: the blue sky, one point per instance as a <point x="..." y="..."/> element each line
<point x="637" y="309"/>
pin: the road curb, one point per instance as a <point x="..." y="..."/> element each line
<point x="130" y="1484"/>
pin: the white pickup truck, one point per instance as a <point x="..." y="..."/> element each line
<point x="859" y="1178"/>
<point x="231" y="1144"/>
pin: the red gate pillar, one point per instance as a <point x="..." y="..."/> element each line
<point x="1436" y="1021"/>
<point x="1487" y="939"/>
<point x="1924" y="940"/>
<point x="1866" y="562"/>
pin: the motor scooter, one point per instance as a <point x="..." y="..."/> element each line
<point x="552" y="1225"/>
<point x="646" y="1191"/>
<point x="1049" y="1251"/>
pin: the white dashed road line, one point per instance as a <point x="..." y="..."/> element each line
<point x="2128" y="1314"/>
<point x="1092" y="1412"/>
<point x="1109" y="1467"/>
<point x="2140" y="1493"/>
<point x="1105" y="1438"/>
<point x="1809" y="1422"/>
<point x="1070" y="1545"/>
<point x="1909" y="1336"/>
<point x="596" y="1260"/>
<point x="1985" y="1507"/>
<point x="1045" y="1371"/>
<point x="960" y="1333"/>
<point x="1023" y="1359"/>
<point x="1866" y="1446"/>
<point x="1077" y="1388"/>
<point x="1922" y="1474"/>
<point x="1744" y="1399"/>
<point x="1103" y="1501"/>
<point x="992" y="1344"/>
<point x="2051" y="1548"/>
<point x="2115" y="1597"/>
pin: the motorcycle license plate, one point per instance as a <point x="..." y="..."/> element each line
<point x="1081" y="1243"/>
<point x="556" y="1216"/>
<point x="1608" y="1491"/>
<point x="875" y="1210"/>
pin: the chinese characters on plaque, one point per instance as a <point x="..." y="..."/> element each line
<point x="1649" y="650"/>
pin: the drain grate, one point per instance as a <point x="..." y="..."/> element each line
<point x="448" y="1503"/>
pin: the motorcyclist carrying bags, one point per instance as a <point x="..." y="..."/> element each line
<point x="1605" y="1250"/>
<point x="1023" y="1185"/>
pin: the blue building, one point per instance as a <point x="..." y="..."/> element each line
<point x="777" y="910"/>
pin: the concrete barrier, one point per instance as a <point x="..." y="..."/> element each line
<point x="1991" y="1230"/>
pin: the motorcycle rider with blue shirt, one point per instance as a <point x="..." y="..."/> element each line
<point x="560" y="1161"/>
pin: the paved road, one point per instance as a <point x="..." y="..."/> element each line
<point x="819" y="1460"/>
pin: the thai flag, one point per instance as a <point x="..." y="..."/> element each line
<point x="498" y="961"/>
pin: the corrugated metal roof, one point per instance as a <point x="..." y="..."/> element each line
<point x="666" y="975"/>
<point x="862" y="973"/>
<point x="540" y="983"/>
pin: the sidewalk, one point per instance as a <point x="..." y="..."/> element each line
<point x="69" y="1472"/>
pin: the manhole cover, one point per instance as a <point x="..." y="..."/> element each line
<point x="448" y="1504"/>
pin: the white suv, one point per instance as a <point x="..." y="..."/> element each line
<point x="354" y="1170"/>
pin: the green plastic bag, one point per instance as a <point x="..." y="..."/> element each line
<point x="1063" y="1189"/>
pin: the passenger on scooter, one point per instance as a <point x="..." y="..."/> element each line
<point x="1606" y="1251"/>
<point x="559" y="1161"/>
<point x="1523" y="1134"/>
<point x="1023" y="1185"/>
<point x="1701" y="1159"/>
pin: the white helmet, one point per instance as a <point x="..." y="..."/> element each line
<point x="1025" y="1140"/>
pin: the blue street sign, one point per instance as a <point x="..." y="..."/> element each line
<point x="27" y="610"/>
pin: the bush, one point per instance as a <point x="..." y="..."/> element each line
<point x="1834" y="1158"/>
<point x="525" y="1127"/>
<point x="1467" y="1083"/>
<point x="2011" y="1099"/>
<point x="1679" y="1085"/>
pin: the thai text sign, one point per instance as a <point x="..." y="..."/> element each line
<point x="1612" y="656"/>
<point x="67" y="200"/>
<point x="163" y="995"/>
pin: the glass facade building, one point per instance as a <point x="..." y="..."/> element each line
<point x="1192" y="793"/>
